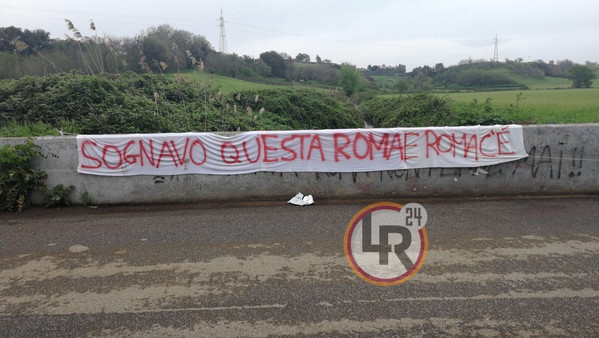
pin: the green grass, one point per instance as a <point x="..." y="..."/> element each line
<point x="226" y="85"/>
<point x="542" y="106"/>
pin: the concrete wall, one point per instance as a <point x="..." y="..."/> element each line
<point x="564" y="159"/>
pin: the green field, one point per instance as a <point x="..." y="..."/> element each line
<point x="226" y="85"/>
<point x="542" y="106"/>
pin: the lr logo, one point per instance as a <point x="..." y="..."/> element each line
<point x="385" y="243"/>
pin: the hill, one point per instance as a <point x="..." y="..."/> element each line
<point x="480" y="76"/>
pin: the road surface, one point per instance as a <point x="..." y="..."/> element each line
<point x="525" y="266"/>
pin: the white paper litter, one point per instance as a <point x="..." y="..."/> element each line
<point x="479" y="171"/>
<point x="301" y="200"/>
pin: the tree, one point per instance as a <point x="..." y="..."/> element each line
<point x="276" y="63"/>
<point x="401" y="69"/>
<point x="261" y="68"/>
<point x="581" y="76"/>
<point x="169" y="45"/>
<point x="37" y="39"/>
<point x="349" y="79"/>
<point x="230" y="65"/>
<point x="302" y="57"/>
<point x="439" y="67"/>
<point x="565" y="66"/>
<point x="402" y="85"/>
<point x="181" y="41"/>
<point x="426" y="70"/>
<point x="422" y="82"/>
<point x="155" y="50"/>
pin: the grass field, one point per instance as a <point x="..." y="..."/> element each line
<point x="549" y="100"/>
<point x="226" y="85"/>
<point x="543" y="106"/>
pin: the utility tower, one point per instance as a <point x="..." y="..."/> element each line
<point x="496" y="52"/>
<point x="222" y="44"/>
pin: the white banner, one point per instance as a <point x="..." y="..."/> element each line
<point x="343" y="150"/>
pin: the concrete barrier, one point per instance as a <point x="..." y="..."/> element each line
<point x="563" y="159"/>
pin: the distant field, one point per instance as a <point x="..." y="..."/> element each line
<point x="225" y="84"/>
<point x="543" y="106"/>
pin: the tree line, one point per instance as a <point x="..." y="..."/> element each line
<point x="164" y="49"/>
<point x="485" y="74"/>
<point x="156" y="50"/>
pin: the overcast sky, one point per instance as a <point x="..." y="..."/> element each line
<point x="409" y="32"/>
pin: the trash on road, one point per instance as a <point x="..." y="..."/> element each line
<point x="301" y="200"/>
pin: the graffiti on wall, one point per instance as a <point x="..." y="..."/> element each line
<point x="543" y="162"/>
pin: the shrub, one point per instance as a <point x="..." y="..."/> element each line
<point x="132" y="103"/>
<point x="18" y="177"/>
<point x="300" y="109"/>
<point x="407" y="111"/>
<point x="58" y="195"/>
<point x="581" y="76"/>
<point x="426" y="110"/>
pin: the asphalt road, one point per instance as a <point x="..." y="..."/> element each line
<point x="526" y="266"/>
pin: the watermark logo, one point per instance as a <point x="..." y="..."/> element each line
<point x="385" y="243"/>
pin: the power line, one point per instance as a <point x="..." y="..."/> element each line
<point x="45" y="11"/>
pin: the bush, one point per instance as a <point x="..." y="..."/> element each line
<point x="581" y="76"/>
<point x="426" y="110"/>
<point x="474" y="113"/>
<point x="407" y="111"/>
<point x="300" y="109"/>
<point x="58" y="196"/>
<point x="132" y="103"/>
<point x="18" y="177"/>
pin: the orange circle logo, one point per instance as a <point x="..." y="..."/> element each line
<point x="385" y="243"/>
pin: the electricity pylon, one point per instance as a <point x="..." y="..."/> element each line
<point x="496" y="52"/>
<point x="222" y="45"/>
